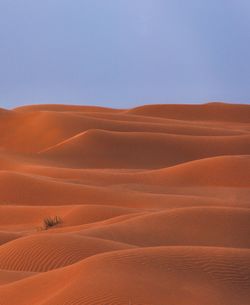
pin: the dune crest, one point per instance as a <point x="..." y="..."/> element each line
<point x="148" y="205"/>
<point x="206" y="112"/>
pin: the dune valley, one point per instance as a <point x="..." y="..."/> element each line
<point x="142" y="206"/>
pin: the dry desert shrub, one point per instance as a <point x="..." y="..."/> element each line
<point x="50" y="222"/>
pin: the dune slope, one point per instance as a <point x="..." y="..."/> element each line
<point x="143" y="206"/>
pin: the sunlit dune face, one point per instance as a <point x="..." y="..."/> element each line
<point x="148" y="205"/>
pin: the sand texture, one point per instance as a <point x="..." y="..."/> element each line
<point x="147" y="206"/>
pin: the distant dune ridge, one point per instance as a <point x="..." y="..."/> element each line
<point x="153" y="202"/>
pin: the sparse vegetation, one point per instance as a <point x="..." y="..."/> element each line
<point x="50" y="222"/>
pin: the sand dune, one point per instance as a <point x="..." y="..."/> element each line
<point x="174" y="275"/>
<point x="43" y="252"/>
<point x="216" y="171"/>
<point x="32" y="131"/>
<point x="37" y="190"/>
<point x="199" y="172"/>
<point x="62" y="107"/>
<point x="7" y="277"/>
<point x="103" y="149"/>
<point x="7" y="236"/>
<point x="153" y="204"/>
<point x="181" y="227"/>
<point x="206" y="112"/>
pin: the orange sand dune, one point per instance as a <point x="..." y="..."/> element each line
<point x="181" y="227"/>
<point x="62" y="107"/>
<point x="7" y="236"/>
<point x="43" y="252"/>
<point x="216" y="171"/>
<point x="160" y="275"/>
<point x="143" y="206"/>
<point x="32" y="131"/>
<point x="26" y="218"/>
<point x="103" y="149"/>
<point x="37" y="190"/>
<point x="206" y="112"/>
<point x="7" y="277"/>
<point x="230" y="171"/>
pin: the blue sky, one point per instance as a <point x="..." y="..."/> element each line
<point x="123" y="53"/>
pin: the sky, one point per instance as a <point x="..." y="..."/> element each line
<point x="124" y="53"/>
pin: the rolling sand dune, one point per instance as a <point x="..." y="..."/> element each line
<point x="141" y="150"/>
<point x="68" y="108"/>
<point x="181" y="227"/>
<point x="8" y="236"/>
<point x="161" y="275"/>
<point x="7" y="277"/>
<point x="43" y="252"/>
<point x="206" y="112"/>
<point x="143" y="206"/>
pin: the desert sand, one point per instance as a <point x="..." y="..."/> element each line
<point x="152" y="203"/>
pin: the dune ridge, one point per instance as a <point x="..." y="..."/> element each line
<point x="152" y="202"/>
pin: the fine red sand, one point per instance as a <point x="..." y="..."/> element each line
<point x="153" y="203"/>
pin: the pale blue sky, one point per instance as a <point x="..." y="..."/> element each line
<point x="123" y="53"/>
